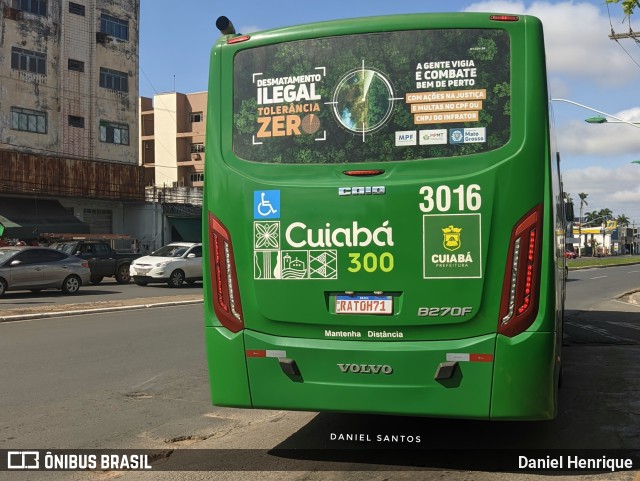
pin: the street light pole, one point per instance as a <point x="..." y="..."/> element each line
<point x="598" y="112"/>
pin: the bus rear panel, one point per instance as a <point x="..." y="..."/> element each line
<point x="381" y="219"/>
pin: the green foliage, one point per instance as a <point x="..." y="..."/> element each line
<point x="623" y="220"/>
<point x="584" y="262"/>
<point x="628" y="6"/>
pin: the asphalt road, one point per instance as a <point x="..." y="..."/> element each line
<point x="137" y="379"/>
<point x="596" y="314"/>
<point x="590" y="286"/>
<point x="102" y="380"/>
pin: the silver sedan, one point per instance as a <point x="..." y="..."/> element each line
<point x="37" y="268"/>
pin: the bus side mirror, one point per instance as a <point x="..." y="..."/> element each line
<point x="569" y="215"/>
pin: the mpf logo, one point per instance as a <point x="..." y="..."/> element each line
<point x="406" y="138"/>
<point x="23" y="460"/>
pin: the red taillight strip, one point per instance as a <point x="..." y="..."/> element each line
<point x="504" y="18"/>
<point x="225" y="291"/>
<point x="363" y="173"/>
<point x="241" y="38"/>
<point x="519" y="304"/>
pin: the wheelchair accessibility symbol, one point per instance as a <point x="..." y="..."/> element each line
<point x="266" y="204"/>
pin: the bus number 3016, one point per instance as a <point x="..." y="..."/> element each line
<point x="443" y="197"/>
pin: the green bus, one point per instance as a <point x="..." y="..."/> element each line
<point x="384" y="218"/>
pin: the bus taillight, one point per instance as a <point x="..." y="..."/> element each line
<point x="504" y="18"/>
<point x="224" y="281"/>
<point x="520" y="289"/>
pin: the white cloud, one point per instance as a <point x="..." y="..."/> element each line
<point x="580" y="138"/>
<point x="617" y="189"/>
<point x="576" y="38"/>
<point x="559" y="88"/>
<point x="249" y="29"/>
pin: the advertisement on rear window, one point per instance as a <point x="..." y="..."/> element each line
<point x="373" y="97"/>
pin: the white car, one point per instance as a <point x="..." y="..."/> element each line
<point x="174" y="264"/>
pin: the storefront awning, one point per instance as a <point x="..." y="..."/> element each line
<point x="186" y="220"/>
<point x="188" y="228"/>
<point x="27" y="218"/>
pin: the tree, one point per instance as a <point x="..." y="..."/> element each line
<point x="583" y="202"/>
<point x="627" y="5"/>
<point x="604" y="213"/>
<point x="623" y="220"/>
<point x="590" y="217"/>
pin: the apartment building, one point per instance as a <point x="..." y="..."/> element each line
<point x="68" y="99"/>
<point x="172" y="151"/>
<point x="172" y="131"/>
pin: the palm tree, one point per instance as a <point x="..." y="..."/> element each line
<point x="589" y="217"/>
<point x="605" y="213"/>
<point x="623" y="220"/>
<point x="583" y="202"/>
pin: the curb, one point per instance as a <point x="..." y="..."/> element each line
<point x="94" y="310"/>
<point x="577" y="268"/>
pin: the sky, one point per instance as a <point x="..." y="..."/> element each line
<point x="584" y="66"/>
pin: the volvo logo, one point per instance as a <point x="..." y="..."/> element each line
<point x="378" y="190"/>
<point x="366" y="368"/>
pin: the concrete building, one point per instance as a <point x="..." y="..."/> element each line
<point x="68" y="96"/>
<point x="172" y="152"/>
<point x="172" y="130"/>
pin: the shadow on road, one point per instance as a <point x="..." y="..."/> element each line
<point x="599" y="408"/>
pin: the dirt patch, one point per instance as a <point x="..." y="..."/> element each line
<point x="631" y="297"/>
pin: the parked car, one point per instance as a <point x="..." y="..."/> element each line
<point x="103" y="260"/>
<point x="570" y="254"/>
<point x="174" y="264"/>
<point x="37" y="268"/>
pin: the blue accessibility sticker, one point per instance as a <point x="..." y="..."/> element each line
<point x="266" y="204"/>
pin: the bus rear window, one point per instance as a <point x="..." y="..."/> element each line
<point x="393" y="96"/>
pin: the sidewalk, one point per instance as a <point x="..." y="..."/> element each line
<point x="96" y="307"/>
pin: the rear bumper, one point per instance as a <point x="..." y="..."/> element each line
<point x="518" y="389"/>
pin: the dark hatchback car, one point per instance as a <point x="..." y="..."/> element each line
<point x="37" y="268"/>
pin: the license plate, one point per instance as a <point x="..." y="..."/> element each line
<point x="364" y="305"/>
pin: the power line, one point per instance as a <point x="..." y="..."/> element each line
<point x="618" y="36"/>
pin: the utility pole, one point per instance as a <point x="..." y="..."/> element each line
<point x="618" y="36"/>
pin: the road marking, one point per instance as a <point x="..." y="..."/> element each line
<point x="630" y="325"/>
<point x="598" y="277"/>
<point x="602" y="332"/>
<point x="632" y="272"/>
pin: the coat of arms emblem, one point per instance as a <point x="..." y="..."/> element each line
<point x="451" y="240"/>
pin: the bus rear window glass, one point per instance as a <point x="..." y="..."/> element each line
<point x="391" y="96"/>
